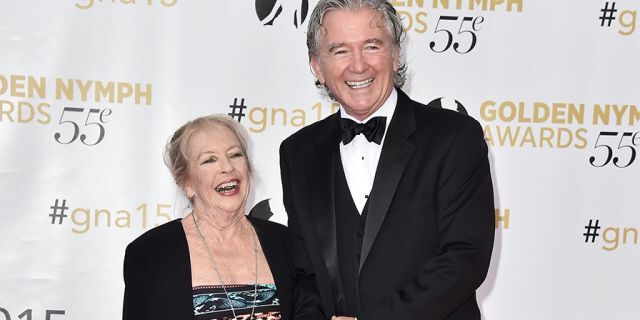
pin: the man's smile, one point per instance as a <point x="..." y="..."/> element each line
<point x="359" y="84"/>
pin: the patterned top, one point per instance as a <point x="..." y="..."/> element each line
<point x="211" y="303"/>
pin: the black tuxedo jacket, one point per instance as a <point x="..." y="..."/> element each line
<point x="430" y="226"/>
<point x="157" y="274"/>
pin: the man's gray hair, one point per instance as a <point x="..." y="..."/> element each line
<point x="392" y="24"/>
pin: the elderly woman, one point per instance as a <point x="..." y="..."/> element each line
<point x="216" y="262"/>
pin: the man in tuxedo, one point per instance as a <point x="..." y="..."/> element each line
<point x="390" y="202"/>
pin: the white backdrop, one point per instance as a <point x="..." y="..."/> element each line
<point x="90" y="91"/>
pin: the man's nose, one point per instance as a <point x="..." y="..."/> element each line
<point x="358" y="62"/>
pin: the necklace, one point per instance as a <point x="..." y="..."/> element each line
<point x="215" y="267"/>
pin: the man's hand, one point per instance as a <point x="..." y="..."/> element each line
<point x="343" y="318"/>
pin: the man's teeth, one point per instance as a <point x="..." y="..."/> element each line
<point x="227" y="186"/>
<point x="359" y="84"/>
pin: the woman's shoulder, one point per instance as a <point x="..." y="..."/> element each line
<point x="267" y="226"/>
<point x="160" y="236"/>
<point x="163" y="249"/>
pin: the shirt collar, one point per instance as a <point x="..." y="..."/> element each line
<point x="386" y="110"/>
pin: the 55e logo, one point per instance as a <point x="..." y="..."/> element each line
<point x="465" y="36"/>
<point x="619" y="151"/>
<point x="93" y="122"/>
<point x="88" y="4"/>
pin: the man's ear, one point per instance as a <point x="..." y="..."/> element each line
<point x="315" y="66"/>
<point x="396" y="59"/>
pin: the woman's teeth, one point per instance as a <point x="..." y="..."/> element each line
<point x="227" y="186"/>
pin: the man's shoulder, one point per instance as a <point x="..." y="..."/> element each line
<point x="309" y="133"/>
<point x="434" y="115"/>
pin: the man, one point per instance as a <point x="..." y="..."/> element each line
<point x="392" y="216"/>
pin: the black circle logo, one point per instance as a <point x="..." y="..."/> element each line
<point x="444" y="103"/>
<point x="270" y="10"/>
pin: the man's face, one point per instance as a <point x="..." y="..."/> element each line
<point x="356" y="60"/>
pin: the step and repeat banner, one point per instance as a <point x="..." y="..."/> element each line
<point x="90" y="91"/>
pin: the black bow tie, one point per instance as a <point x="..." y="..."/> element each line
<point x="373" y="129"/>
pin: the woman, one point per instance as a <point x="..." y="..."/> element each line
<point x="215" y="263"/>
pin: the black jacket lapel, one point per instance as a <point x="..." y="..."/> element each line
<point x="396" y="153"/>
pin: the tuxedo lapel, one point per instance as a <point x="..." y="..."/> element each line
<point x="394" y="157"/>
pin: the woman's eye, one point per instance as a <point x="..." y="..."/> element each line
<point x="209" y="160"/>
<point x="237" y="155"/>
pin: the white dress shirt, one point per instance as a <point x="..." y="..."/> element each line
<point x="360" y="157"/>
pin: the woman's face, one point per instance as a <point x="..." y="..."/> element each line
<point x="218" y="174"/>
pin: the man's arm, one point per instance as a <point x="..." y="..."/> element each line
<point x="465" y="215"/>
<point x="307" y="302"/>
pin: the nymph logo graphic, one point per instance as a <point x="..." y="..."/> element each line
<point x="448" y="103"/>
<point x="268" y="11"/>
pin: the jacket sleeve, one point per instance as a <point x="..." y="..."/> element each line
<point x="134" y="271"/>
<point x="307" y="302"/>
